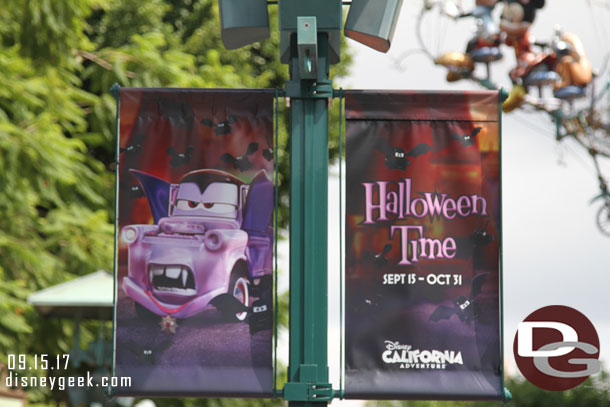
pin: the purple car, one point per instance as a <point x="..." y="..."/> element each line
<point x="211" y="242"/>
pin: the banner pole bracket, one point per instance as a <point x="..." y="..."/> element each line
<point x="299" y="391"/>
<point x="310" y="89"/>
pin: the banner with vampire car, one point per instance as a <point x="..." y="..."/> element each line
<point x="423" y="235"/>
<point x="193" y="308"/>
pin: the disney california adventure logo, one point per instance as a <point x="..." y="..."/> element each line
<point x="408" y="358"/>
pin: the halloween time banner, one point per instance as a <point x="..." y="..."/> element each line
<point x="193" y="312"/>
<point x="423" y="229"/>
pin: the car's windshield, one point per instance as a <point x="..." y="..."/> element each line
<point x="220" y="199"/>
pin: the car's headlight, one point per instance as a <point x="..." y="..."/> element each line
<point x="213" y="240"/>
<point x="130" y="234"/>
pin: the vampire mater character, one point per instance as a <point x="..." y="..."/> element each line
<point x="211" y="239"/>
<point x="194" y="306"/>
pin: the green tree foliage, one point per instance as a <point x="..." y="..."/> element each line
<point x="594" y="392"/>
<point x="58" y="60"/>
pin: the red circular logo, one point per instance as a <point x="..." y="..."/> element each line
<point x="556" y="348"/>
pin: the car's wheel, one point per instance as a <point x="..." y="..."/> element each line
<point x="144" y="314"/>
<point x="239" y="288"/>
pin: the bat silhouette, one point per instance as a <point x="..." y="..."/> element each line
<point x="481" y="237"/>
<point x="396" y="157"/>
<point x="221" y="128"/>
<point x="178" y="159"/>
<point x="467" y="139"/>
<point x="379" y="259"/>
<point x="261" y="317"/>
<point x="147" y="353"/>
<point x="134" y="191"/>
<point x="135" y="147"/>
<point x="463" y="307"/>
<point x="242" y="162"/>
<point x="468" y="244"/>
<point x="268" y="154"/>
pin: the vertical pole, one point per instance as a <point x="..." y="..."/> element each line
<point x="308" y="361"/>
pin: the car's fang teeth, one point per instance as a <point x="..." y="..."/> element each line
<point x="173" y="271"/>
<point x="174" y="279"/>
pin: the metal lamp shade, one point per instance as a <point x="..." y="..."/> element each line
<point x="372" y="22"/>
<point x="243" y="22"/>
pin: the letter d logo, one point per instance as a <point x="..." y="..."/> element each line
<point x="556" y="348"/>
<point x="525" y="335"/>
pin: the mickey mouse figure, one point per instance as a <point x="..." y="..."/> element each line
<point x="515" y="21"/>
<point x="518" y="16"/>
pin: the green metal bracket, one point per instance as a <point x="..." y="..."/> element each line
<point x="320" y="89"/>
<point x="320" y="392"/>
<point x="307" y="44"/>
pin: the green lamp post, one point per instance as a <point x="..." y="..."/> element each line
<point x="310" y="43"/>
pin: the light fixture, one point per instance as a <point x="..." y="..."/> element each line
<point x="328" y="18"/>
<point x="243" y="22"/>
<point x="372" y="22"/>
